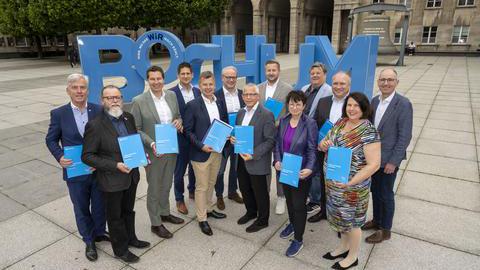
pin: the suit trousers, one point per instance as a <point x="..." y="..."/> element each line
<point x="159" y="178"/>
<point x="88" y="207"/>
<point x="206" y="176"/>
<point x="297" y="206"/>
<point x="383" y="198"/>
<point x="232" y="174"/>
<point x="121" y="218"/>
<point x="183" y="160"/>
<point x="255" y="195"/>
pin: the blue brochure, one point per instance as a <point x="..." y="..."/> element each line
<point x="78" y="167"/>
<point x="232" y="119"/>
<point x="291" y="165"/>
<point x="166" y="140"/>
<point x="338" y="164"/>
<point x="217" y="134"/>
<point x="244" y="140"/>
<point x="324" y="130"/>
<point x="274" y="106"/>
<point x="133" y="153"/>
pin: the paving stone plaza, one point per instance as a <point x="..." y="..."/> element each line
<point x="437" y="218"/>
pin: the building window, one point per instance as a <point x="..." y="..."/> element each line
<point x="434" y="3"/>
<point x="460" y="34"/>
<point x="60" y="40"/>
<point x="398" y="35"/>
<point x="21" y="42"/>
<point x="378" y="1"/>
<point x="10" y="42"/>
<point x="429" y="34"/>
<point x="2" y="42"/>
<point x="464" y="3"/>
<point x="407" y="3"/>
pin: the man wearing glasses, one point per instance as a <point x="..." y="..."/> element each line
<point x="231" y="99"/>
<point x="118" y="182"/>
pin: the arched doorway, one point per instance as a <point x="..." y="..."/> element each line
<point x="319" y="17"/>
<point x="242" y="20"/>
<point x="278" y="16"/>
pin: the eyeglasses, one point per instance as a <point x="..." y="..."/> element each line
<point x="114" y="98"/>
<point x="231" y="78"/>
<point x="249" y="94"/>
<point x="389" y="80"/>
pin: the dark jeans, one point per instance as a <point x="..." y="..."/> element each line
<point x="255" y="195"/>
<point x="121" y="218"/>
<point x="183" y="159"/>
<point x="296" y="206"/>
<point x="232" y="176"/>
<point x="383" y="198"/>
<point x="88" y="207"/>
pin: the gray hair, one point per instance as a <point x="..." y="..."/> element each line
<point x="252" y="85"/>
<point x="346" y="74"/>
<point x="108" y="87"/>
<point x="75" y="77"/>
<point x="229" y="67"/>
<point x="389" y="68"/>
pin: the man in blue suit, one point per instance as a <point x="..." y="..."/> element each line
<point x="393" y="118"/>
<point x="67" y="126"/>
<point x="185" y="92"/>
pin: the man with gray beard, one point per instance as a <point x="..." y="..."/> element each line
<point x="117" y="182"/>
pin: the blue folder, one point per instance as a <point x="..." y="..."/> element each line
<point x="338" y="164"/>
<point x="77" y="168"/>
<point x="244" y="140"/>
<point x="324" y="130"/>
<point x="291" y="165"/>
<point x="217" y="134"/>
<point x="133" y="153"/>
<point x="232" y="119"/>
<point x="166" y="140"/>
<point x="274" y="106"/>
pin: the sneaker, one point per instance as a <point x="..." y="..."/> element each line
<point x="313" y="208"/>
<point x="280" y="208"/>
<point x="294" y="248"/>
<point x="287" y="232"/>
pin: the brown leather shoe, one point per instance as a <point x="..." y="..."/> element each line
<point x="182" y="208"/>
<point x="235" y="197"/>
<point x="370" y="225"/>
<point x="191" y="195"/>
<point x="161" y="231"/>
<point x="220" y="203"/>
<point x="378" y="237"/>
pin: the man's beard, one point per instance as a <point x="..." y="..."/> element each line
<point x="115" y="111"/>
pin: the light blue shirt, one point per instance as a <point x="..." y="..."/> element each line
<point x="81" y="118"/>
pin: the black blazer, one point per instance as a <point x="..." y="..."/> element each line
<point x="196" y="124"/>
<point x="322" y="115"/>
<point x="102" y="151"/>
<point x="221" y="97"/>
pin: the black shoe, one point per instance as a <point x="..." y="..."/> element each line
<point x="91" y="252"/>
<point x="245" y="218"/>
<point x="128" y="257"/>
<point x="217" y="215"/>
<point x="339" y="267"/>
<point x="172" y="219"/>
<point x="313" y="207"/>
<point x="317" y="217"/>
<point x="205" y="228"/>
<point x="329" y="255"/>
<point x="101" y="238"/>
<point x="256" y="227"/>
<point x="139" y="244"/>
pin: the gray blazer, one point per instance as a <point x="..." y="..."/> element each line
<point x="146" y="116"/>
<point x="280" y="93"/>
<point x="263" y="140"/>
<point x="395" y="129"/>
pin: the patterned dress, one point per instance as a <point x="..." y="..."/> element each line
<point x="347" y="207"/>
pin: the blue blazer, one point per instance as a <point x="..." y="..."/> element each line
<point x="182" y="139"/>
<point x="196" y="124"/>
<point x="63" y="131"/>
<point x="395" y="129"/>
<point x="221" y="97"/>
<point x="304" y="142"/>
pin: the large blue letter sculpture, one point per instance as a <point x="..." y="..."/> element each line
<point x="359" y="59"/>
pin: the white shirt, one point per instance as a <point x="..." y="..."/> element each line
<point x="187" y="94"/>
<point x="270" y="89"/>
<point x="163" y="110"/>
<point x="232" y="100"/>
<point x="212" y="108"/>
<point x="336" y="109"/>
<point x="248" y="115"/>
<point x="382" y="107"/>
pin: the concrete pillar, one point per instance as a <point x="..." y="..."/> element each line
<point x="336" y="29"/>
<point x="293" y="40"/>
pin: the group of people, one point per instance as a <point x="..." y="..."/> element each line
<point x="377" y="132"/>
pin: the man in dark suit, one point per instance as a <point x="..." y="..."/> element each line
<point x="329" y="109"/>
<point x="67" y="126"/>
<point x="117" y="182"/>
<point x="253" y="169"/>
<point x="393" y="118"/>
<point x="199" y="115"/>
<point x="185" y="93"/>
<point x="231" y="99"/>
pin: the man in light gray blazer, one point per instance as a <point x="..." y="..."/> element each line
<point x="157" y="106"/>
<point x="277" y="89"/>
<point x="393" y="118"/>
<point x="253" y="169"/>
